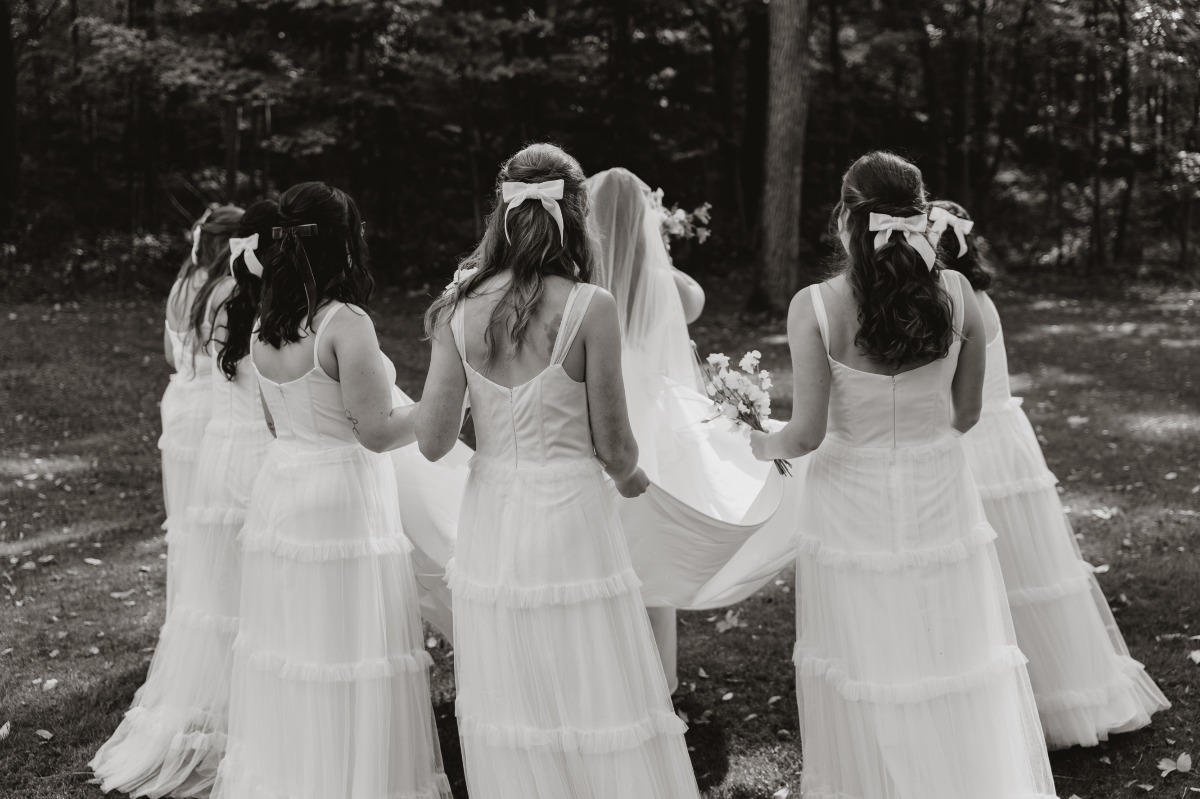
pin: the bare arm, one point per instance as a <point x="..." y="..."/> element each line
<point x="441" y="416"/>
<point x="366" y="393"/>
<point x="608" y="414"/>
<point x="168" y="350"/>
<point x="810" y="379"/>
<point x="690" y="293"/>
<point x="967" y="388"/>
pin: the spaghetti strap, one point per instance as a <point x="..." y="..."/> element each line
<point x="954" y="289"/>
<point x="822" y="318"/>
<point x="573" y="313"/>
<point x="458" y="330"/>
<point x="334" y="308"/>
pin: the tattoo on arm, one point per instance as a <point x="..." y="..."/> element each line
<point x="353" y="424"/>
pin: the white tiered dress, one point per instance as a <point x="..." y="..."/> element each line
<point x="1084" y="680"/>
<point x="186" y="408"/>
<point x="331" y="694"/>
<point x="560" y="690"/>
<point x="171" y="741"/>
<point x="911" y="685"/>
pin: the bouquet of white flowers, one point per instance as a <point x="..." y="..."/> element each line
<point x="675" y="221"/>
<point x="740" y="395"/>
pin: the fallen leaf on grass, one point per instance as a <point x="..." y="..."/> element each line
<point x="726" y="697"/>
<point x="123" y="594"/>
<point x="1101" y="569"/>
<point x="50" y="685"/>
<point x="701" y="672"/>
<point x="93" y="561"/>
<point x="1105" y="513"/>
<point x="731" y="621"/>
<point x="1195" y="656"/>
<point x="751" y="717"/>
<point x="782" y="793"/>
<point x="773" y="700"/>
<point x="1106" y="760"/>
<point x="5" y="730"/>
<point x="93" y="650"/>
<point x="1182" y="764"/>
<point x="45" y="735"/>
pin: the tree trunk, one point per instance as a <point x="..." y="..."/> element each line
<point x="786" y="116"/>
<point x="754" y="130"/>
<point x="1121" y="117"/>
<point x="10" y="154"/>
<point x="836" y="68"/>
<point x="1097" y="232"/>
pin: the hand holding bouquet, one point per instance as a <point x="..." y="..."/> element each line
<point x="740" y="395"/>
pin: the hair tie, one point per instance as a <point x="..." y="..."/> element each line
<point x="940" y="219"/>
<point x="303" y="231"/>
<point x="913" y="228"/>
<point x="549" y="193"/>
<point x="246" y="247"/>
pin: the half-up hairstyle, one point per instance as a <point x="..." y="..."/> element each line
<point x="904" y="314"/>
<point x="320" y="256"/>
<point x="972" y="263"/>
<point x="536" y="250"/>
<point x="241" y="306"/>
<point x="213" y="258"/>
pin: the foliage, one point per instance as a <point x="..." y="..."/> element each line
<point x="1059" y="124"/>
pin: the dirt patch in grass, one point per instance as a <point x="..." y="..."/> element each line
<point x="1110" y="383"/>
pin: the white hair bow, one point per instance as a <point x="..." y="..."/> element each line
<point x="196" y="235"/>
<point x="913" y="228"/>
<point x="246" y="247"/>
<point x="549" y="193"/>
<point x="940" y="219"/>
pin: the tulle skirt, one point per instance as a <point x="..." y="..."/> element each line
<point x="330" y="696"/>
<point x="560" y="689"/>
<point x="172" y="739"/>
<point x="186" y="408"/>
<point x="911" y="685"/>
<point x="1084" y="680"/>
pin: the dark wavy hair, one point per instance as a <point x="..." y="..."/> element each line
<point x="306" y="272"/>
<point x="972" y="263"/>
<point x="904" y="313"/>
<point x="241" y="306"/>
<point x="213" y="259"/>
<point x="536" y="250"/>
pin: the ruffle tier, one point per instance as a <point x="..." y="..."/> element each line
<point x="186" y="409"/>
<point x="1085" y="683"/>
<point x="560" y="688"/>
<point x="331" y="694"/>
<point x="911" y="682"/>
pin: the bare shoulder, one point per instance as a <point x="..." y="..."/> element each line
<point x="963" y="283"/>
<point x="351" y="324"/>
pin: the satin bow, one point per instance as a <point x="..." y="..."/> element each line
<point x="913" y="228"/>
<point x="196" y="231"/>
<point x="549" y="193"/>
<point x="940" y="219"/>
<point x="246" y="247"/>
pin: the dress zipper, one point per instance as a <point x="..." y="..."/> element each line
<point x="893" y="412"/>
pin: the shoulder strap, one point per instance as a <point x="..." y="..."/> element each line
<point x="458" y="330"/>
<point x="954" y="289"/>
<point x="334" y="307"/>
<point x="822" y="318"/>
<point x="572" y="320"/>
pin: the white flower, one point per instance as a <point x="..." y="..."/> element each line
<point x="719" y="360"/>
<point x="742" y="409"/>
<point x="764" y="380"/>
<point x="702" y="234"/>
<point x="712" y="389"/>
<point x="762" y="405"/>
<point x="729" y="410"/>
<point x="754" y="393"/>
<point x="750" y="361"/>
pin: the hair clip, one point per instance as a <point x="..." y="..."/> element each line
<point x="302" y="231"/>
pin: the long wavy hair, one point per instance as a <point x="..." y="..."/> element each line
<point x="241" y="306"/>
<point x="535" y="252"/>
<point x="306" y="272"/>
<point x="904" y="314"/>
<point x="213" y="260"/>
<point x="973" y="264"/>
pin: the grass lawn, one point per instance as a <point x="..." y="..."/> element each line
<point x="1112" y="384"/>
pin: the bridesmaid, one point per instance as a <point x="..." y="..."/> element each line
<point x="911" y="685"/>
<point x="560" y="690"/>
<point x="187" y="402"/>
<point x="1084" y="680"/>
<point x="172" y="739"/>
<point x="330" y="688"/>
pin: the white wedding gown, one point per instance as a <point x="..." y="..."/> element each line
<point x="911" y="684"/>
<point x="560" y="691"/>
<point x="1085" y="682"/>
<point x="710" y="531"/>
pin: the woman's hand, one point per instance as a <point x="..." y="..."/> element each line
<point x="634" y="485"/>
<point x="758" y="445"/>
